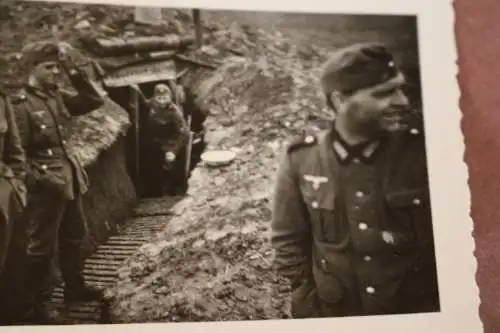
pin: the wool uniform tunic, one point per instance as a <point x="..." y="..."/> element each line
<point x="352" y="226"/>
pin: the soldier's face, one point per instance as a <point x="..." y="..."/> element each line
<point x="163" y="99"/>
<point x="47" y="73"/>
<point x="379" y="108"/>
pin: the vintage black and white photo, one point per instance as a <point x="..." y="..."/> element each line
<point x="192" y="164"/>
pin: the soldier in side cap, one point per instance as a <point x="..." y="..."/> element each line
<point x="55" y="179"/>
<point x="351" y="225"/>
<point x="169" y="133"/>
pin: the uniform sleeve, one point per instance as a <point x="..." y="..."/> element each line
<point x="14" y="154"/>
<point x="86" y="100"/>
<point x="290" y="226"/>
<point x="178" y="132"/>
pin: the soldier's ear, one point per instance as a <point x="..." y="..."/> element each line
<point x="32" y="81"/>
<point x="335" y="100"/>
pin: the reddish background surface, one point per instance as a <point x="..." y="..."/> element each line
<point x="478" y="44"/>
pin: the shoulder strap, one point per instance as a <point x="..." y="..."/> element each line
<point x="304" y="140"/>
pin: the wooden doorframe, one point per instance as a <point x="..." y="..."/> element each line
<point x="198" y="27"/>
<point x="135" y="105"/>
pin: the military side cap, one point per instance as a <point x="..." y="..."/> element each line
<point x="162" y="89"/>
<point x="356" y="67"/>
<point x="35" y="53"/>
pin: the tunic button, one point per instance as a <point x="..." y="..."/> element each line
<point x="314" y="204"/>
<point x="60" y="127"/>
<point x="309" y="139"/>
<point x="49" y="151"/>
<point x="367" y="258"/>
<point x="370" y="290"/>
<point x="359" y="194"/>
<point x="356" y="160"/>
<point x="362" y="226"/>
<point x="64" y="141"/>
<point x="414" y="131"/>
<point x="43" y="126"/>
<point x="44" y="166"/>
<point x="416" y="201"/>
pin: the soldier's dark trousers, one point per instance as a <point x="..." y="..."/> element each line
<point x="11" y="248"/>
<point x="54" y="223"/>
<point x="10" y="210"/>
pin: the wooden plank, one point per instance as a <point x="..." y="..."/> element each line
<point x="134" y="96"/>
<point x="120" y="46"/>
<point x="153" y="66"/>
<point x="195" y="62"/>
<point x="138" y="79"/>
<point x="198" y="27"/>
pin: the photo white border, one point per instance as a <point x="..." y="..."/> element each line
<point x="447" y="171"/>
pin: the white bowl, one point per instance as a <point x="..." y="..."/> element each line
<point x="218" y="157"/>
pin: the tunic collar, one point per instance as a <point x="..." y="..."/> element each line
<point x="43" y="94"/>
<point x="364" y="152"/>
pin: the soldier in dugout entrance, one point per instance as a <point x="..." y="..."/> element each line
<point x="169" y="133"/>
<point x="351" y="226"/>
<point x="55" y="179"/>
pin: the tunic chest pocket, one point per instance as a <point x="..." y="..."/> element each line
<point x="320" y="202"/>
<point x="408" y="211"/>
<point x="43" y="124"/>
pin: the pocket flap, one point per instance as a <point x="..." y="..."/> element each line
<point x="407" y="198"/>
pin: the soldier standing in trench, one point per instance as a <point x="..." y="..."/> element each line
<point x="12" y="202"/>
<point x="351" y="224"/>
<point x="55" y="179"/>
<point x="12" y="173"/>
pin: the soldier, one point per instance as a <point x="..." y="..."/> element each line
<point x="351" y="224"/>
<point x="12" y="202"/>
<point x="170" y="133"/>
<point x="55" y="179"/>
<point x="12" y="173"/>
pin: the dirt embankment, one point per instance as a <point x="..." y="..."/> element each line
<point x="213" y="260"/>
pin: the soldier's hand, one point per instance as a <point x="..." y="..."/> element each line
<point x="21" y="191"/>
<point x="169" y="156"/>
